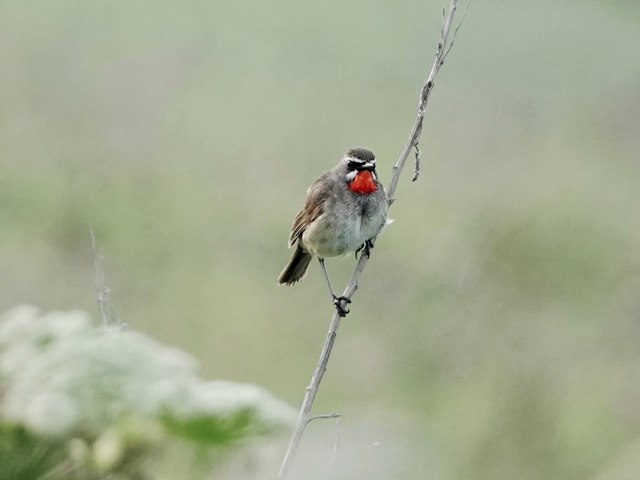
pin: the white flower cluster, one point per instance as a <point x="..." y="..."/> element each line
<point x="61" y="375"/>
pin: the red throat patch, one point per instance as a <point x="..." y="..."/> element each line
<point x="363" y="183"/>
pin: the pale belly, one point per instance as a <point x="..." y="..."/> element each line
<point x="331" y="237"/>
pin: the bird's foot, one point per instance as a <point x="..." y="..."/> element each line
<point x="365" y="248"/>
<point x="341" y="305"/>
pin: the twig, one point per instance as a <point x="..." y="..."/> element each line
<point x="336" y="445"/>
<point x="101" y="288"/>
<point x="321" y="366"/>
<point x="105" y="309"/>
<point x="414" y="137"/>
<point x="323" y="417"/>
<point x="316" y="378"/>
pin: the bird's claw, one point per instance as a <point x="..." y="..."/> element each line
<point x="341" y="305"/>
<point x="365" y="248"/>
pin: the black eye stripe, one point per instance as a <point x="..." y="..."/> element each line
<point x="358" y="161"/>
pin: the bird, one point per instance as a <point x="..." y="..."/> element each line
<point x="344" y="210"/>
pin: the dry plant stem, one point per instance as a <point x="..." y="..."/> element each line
<point x="414" y="137"/>
<point x="321" y="366"/>
<point x="105" y="309"/>
<point x="101" y="288"/>
<point x="316" y="378"/>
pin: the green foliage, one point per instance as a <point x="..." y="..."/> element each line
<point x="215" y="430"/>
<point x="24" y="455"/>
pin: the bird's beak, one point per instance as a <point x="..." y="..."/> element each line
<point x="367" y="166"/>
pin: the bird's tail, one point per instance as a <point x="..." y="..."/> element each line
<point x="296" y="268"/>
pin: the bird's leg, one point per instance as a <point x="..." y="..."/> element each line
<point x="339" y="302"/>
<point x="366" y="248"/>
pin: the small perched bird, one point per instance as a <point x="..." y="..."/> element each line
<point x="345" y="209"/>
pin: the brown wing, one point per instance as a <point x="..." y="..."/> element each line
<point x="314" y="206"/>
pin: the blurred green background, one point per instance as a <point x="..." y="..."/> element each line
<point x="495" y="332"/>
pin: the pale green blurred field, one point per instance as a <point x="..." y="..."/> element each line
<point x="495" y="334"/>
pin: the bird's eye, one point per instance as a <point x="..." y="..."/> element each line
<point x="353" y="164"/>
